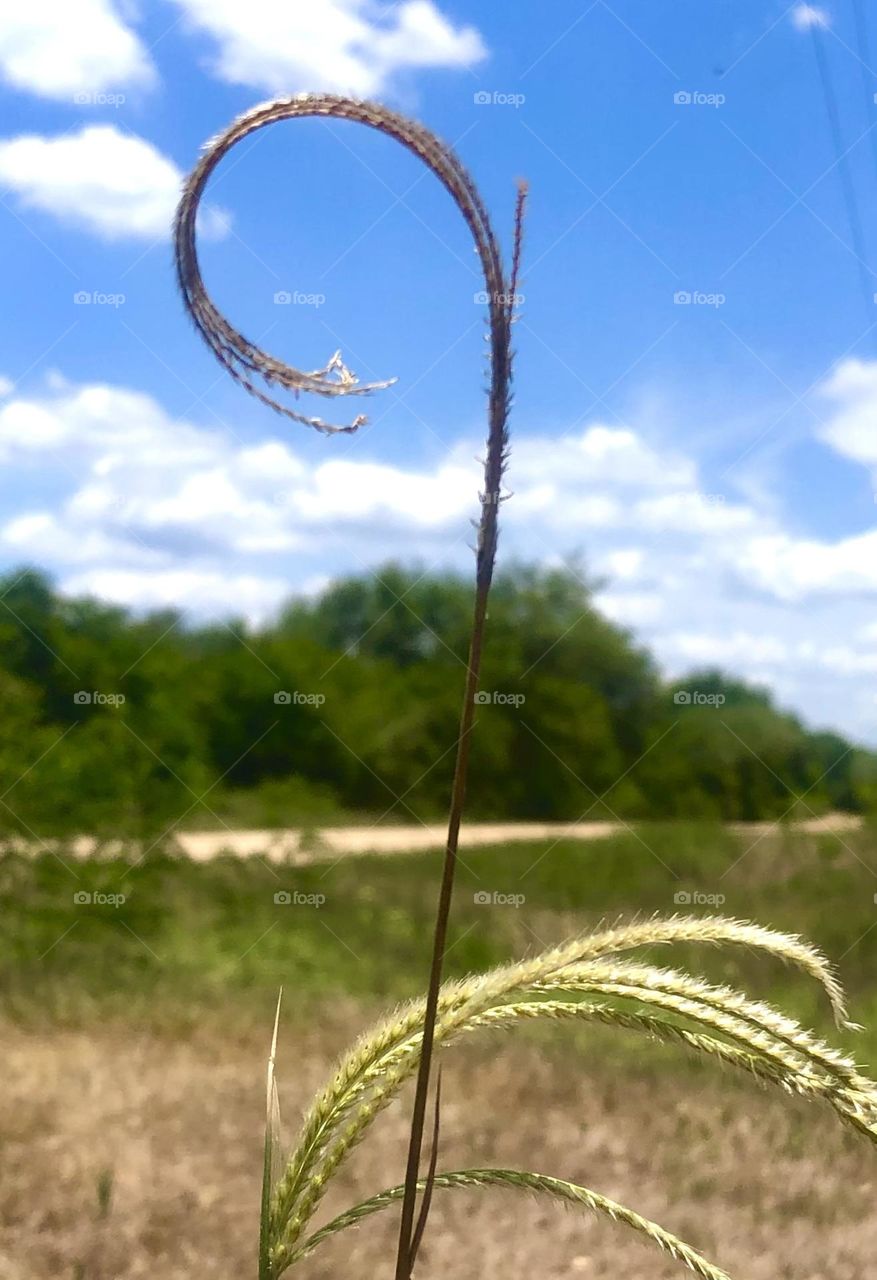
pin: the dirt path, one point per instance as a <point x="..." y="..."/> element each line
<point x="301" y="846"/>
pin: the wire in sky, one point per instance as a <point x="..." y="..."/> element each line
<point x="841" y="164"/>
<point x="869" y="76"/>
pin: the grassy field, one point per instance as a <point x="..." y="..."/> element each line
<point x="136" y="1032"/>
<point x="190" y="940"/>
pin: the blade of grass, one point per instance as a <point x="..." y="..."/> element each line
<point x="430" y="1177"/>
<point x="273" y="1153"/>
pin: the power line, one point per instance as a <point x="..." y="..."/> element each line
<point x="869" y="76"/>
<point x="841" y="164"/>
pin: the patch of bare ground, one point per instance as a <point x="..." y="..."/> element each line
<point x="127" y="1156"/>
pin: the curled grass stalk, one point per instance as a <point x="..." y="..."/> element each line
<point x="245" y="362"/>
<point x="717" y="1022"/>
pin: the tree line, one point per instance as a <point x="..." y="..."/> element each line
<point x="347" y="706"/>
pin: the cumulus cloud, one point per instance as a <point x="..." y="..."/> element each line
<point x="113" y="183"/>
<point x="347" y="46"/>
<point x="157" y="511"/>
<point x="792" y="568"/>
<point x="68" y="51"/>
<point x="193" y="590"/>
<point x="151" y="488"/>
<point x="852" y="391"/>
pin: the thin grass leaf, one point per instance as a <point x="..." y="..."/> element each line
<point x="429" y="1181"/>
<point x="535" y="1183"/>
<point x="273" y="1158"/>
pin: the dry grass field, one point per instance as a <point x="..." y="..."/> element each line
<point x="135" y="1041"/>
<point x="128" y="1156"/>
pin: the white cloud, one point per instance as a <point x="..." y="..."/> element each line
<point x="794" y="568"/>
<point x="631" y="608"/>
<point x="151" y="488"/>
<point x="806" y="16"/>
<point x="199" y="592"/>
<point x="63" y="49"/>
<point x="736" y="649"/>
<point x="852" y="389"/>
<point x="113" y="183"/>
<point x="348" y="46"/>
<point x="157" y="511"/>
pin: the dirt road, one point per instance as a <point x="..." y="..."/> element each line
<point x="300" y="846"/>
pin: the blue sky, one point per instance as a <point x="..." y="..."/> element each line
<point x="713" y="461"/>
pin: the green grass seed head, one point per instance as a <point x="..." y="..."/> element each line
<point x="716" y="1023"/>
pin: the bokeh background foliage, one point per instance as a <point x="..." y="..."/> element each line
<point x="577" y="719"/>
